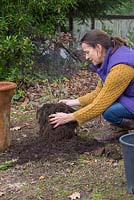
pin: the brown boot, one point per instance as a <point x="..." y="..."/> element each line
<point x="127" y="124"/>
<point x="114" y="134"/>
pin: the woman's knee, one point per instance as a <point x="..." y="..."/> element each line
<point x="108" y="114"/>
<point x="111" y="115"/>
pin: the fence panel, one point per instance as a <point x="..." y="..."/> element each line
<point x="120" y="27"/>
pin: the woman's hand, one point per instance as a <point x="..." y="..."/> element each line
<point x="70" y="102"/>
<point x="60" y="118"/>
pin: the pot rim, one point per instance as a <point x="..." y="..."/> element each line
<point x="7" y="85"/>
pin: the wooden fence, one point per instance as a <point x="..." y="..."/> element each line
<point x="116" y="25"/>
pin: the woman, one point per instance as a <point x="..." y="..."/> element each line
<point x="113" y="97"/>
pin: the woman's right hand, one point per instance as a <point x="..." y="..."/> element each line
<point x="70" y="102"/>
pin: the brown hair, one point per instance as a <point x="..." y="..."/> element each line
<point x="97" y="36"/>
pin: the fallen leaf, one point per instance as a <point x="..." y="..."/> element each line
<point x="41" y="177"/>
<point x="16" y="128"/>
<point x="99" y="151"/>
<point x="24" y="104"/>
<point x="1" y="194"/>
<point x="75" y="195"/>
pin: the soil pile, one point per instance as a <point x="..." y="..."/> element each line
<point x="46" y="130"/>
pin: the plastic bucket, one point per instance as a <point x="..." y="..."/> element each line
<point x="127" y="142"/>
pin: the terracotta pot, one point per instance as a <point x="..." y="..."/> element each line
<point x="6" y="94"/>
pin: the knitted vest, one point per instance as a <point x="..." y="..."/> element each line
<point x="123" y="55"/>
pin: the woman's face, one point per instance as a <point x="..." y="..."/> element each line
<point x="95" y="55"/>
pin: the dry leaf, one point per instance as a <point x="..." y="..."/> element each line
<point x="24" y="104"/>
<point x="41" y="177"/>
<point x="1" y="194"/>
<point x="16" y="128"/>
<point x="75" y="195"/>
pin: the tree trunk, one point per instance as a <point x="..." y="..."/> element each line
<point x="92" y="22"/>
<point x="71" y="23"/>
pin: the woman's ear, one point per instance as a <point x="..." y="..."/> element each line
<point x="99" y="47"/>
<point x="101" y="51"/>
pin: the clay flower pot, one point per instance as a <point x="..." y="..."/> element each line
<point x="6" y="94"/>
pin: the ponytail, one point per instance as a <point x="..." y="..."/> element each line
<point x="117" y="42"/>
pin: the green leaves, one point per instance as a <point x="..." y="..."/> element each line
<point x="15" y="52"/>
<point x="6" y="165"/>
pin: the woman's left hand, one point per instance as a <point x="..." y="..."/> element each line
<point x="60" y="118"/>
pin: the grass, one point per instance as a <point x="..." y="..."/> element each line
<point x="94" y="178"/>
